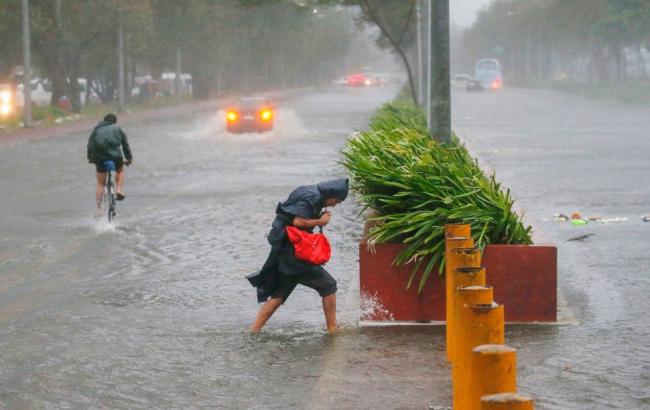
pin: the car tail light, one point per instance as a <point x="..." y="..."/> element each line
<point x="266" y="115"/>
<point x="496" y="84"/>
<point x="231" y="116"/>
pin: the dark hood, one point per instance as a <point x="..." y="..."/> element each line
<point x="335" y="188"/>
<point x="103" y="124"/>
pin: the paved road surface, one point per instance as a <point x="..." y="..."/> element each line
<point x="153" y="312"/>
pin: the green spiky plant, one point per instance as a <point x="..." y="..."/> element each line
<point x="416" y="186"/>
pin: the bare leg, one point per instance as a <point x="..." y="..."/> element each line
<point x="119" y="180"/>
<point x="99" y="190"/>
<point x="266" y="311"/>
<point x="329" y="307"/>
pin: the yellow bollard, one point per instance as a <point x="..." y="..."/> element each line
<point x="454" y="230"/>
<point x="471" y="295"/>
<point x="478" y="325"/>
<point x="461" y="277"/>
<point x="493" y="369"/>
<point x="506" y="401"/>
<point x="456" y="236"/>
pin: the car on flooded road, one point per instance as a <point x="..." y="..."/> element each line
<point x="250" y="114"/>
<point x="488" y="72"/>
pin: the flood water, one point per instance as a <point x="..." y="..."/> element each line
<point x="153" y="312"/>
<point x="562" y="154"/>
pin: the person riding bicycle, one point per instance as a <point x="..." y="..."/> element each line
<point x="107" y="142"/>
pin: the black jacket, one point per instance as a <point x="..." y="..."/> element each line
<point x="305" y="202"/>
<point x="107" y="142"/>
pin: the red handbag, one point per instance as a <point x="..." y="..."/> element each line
<point x="310" y="247"/>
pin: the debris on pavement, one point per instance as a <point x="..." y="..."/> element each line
<point x="560" y="218"/>
<point x="576" y="219"/>
<point x="581" y="237"/>
<point x="614" y="220"/>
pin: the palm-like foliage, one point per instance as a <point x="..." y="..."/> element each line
<point x="416" y="186"/>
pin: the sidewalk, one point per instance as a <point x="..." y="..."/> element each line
<point x="36" y="133"/>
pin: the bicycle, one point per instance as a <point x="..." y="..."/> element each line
<point x="109" y="199"/>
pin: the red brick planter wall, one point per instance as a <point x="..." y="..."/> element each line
<point x="524" y="280"/>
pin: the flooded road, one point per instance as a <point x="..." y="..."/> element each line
<point x="562" y="154"/>
<point x="153" y="312"/>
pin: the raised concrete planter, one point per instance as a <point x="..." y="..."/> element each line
<point x="524" y="278"/>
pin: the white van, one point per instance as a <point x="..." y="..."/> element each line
<point x="42" y="92"/>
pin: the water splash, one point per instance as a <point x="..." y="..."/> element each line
<point x="102" y="225"/>
<point x="287" y="124"/>
<point x="373" y="309"/>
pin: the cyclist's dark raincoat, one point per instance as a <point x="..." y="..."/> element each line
<point x="305" y="202"/>
<point x="107" y="142"/>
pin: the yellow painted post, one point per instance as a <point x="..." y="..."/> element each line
<point x="455" y="230"/>
<point x="461" y="277"/>
<point x="478" y="325"/>
<point x="506" y="401"/>
<point x="493" y="369"/>
<point x="470" y="295"/>
<point x="456" y="236"/>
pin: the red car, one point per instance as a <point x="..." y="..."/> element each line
<point x="250" y="114"/>
<point x="357" y="80"/>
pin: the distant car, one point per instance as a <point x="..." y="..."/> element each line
<point x="460" y="80"/>
<point x="488" y="71"/>
<point x="358" y="80"/>
<point x="250" y="114"/>
<point x="474" y="85"/>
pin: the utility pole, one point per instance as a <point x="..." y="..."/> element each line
<point x="27" y="69"/>
<point x="428" y="64"/>
<point x="440" y="101"/>
<point x="177" y="82"/>
<point x="120" y="62"/>
<point x="420" y="73"/>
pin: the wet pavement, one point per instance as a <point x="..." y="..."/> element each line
<point x="153" y="311"/>
<point x="562" y="154"/>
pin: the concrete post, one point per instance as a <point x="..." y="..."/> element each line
<point x="440" y="112"/>
<point x="120" y="62"/>
<point x="450" y="265"/>
<point x="177" y="77"/>
<point x="456" y="236"/>
<point x="506" y="401"/>
<point x="493" y="369"/>
<point x="466" y="296"/>
<point x="461" y="277"/>
<point x="27" y="68"/>
<point x="479" y="324"/>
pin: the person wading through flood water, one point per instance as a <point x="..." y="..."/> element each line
<point x="282" y="271"/>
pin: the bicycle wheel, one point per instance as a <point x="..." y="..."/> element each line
<point x="110" y="198"/>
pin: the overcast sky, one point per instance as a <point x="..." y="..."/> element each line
<point x="463" y="12"/>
